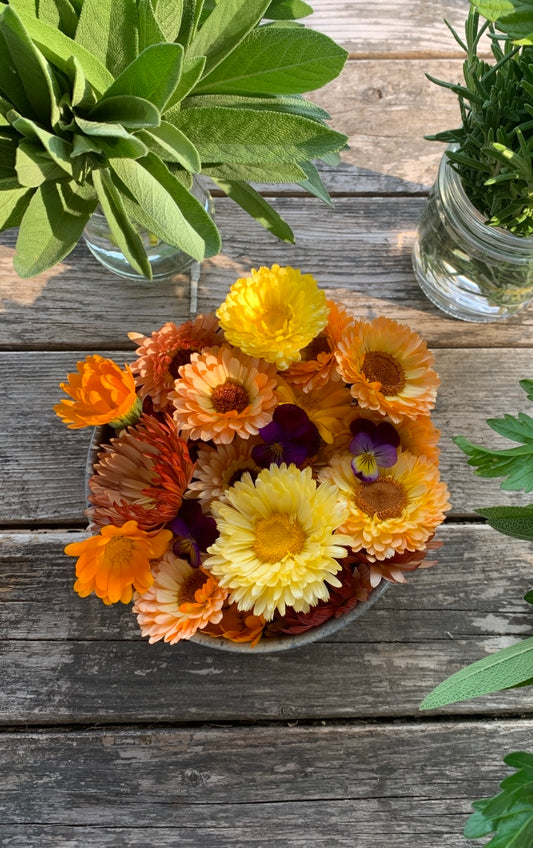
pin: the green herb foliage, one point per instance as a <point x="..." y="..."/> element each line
<point x="508" y="816"/>
<point x="122" y="102"/>
<point x="494" y="144"/>
<point x="514" y="17"/>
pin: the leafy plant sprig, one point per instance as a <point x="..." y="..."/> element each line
<point x="494" y="144"/>
<point x="122" y="102"/>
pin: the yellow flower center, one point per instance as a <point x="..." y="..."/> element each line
<point x="118" y="551"/>
<point x="276" y="318"/>
<point x="278" y="536"/>
<point x="384" y="498"/>
<point x="381" y="367"/>
<point x="230" y="396"/>
<point x="189" y="588"/>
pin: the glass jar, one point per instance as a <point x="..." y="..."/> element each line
<point x="465" y="267"/>
<point x="164" y="259"/>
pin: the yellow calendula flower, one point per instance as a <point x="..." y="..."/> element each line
<point x="101" y="393"/>
<point x="273" y="314"/>
<point x="277" y="547"/>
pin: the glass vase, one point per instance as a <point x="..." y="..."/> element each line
<point x="468" y="269"/>
<point x="165" y="260"/>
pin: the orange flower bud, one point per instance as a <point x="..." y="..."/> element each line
<point x="101" y="393"/>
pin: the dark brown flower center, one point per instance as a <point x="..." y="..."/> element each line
<point x="238" y="474"/>
<point x="384" y="498"/>
<point x="191" y="586"/>
<point x="230" y="396"/>
<point x="383" y="368"/>
<point x="319" y="345"/>
<point x="181" y="357"/>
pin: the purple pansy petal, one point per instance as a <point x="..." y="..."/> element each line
<point x="362" y="443"/>
<point x="362" y="425"/>
<point x="271" y="432"/>
<point x="386" y="434"/>
<point x="265" y="455"/>
<point x="385" y="455"/>
<point x="295" y="453"/>
<point x="365" y="467"/>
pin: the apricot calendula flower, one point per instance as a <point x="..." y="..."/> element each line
<point x="397" y="512"/>
<point x="117" y="561"/>
<point x="273" y="314"/>
<point x="181" y="600"/>
<point x="160" y="355"/>
<point x="102" y="393"/>
<point x="237" y="626"/>
<point x="223" y="394"/>
<point x="389" y="368"/>
<point x="277" y="546"/>
<point x="330" y="407"/>
<point x="218" y="468"/>
<point x="140" y="475"/>
<point x="318" y="364"/>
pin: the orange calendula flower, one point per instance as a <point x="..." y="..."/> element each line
<point x="329" y="407"/>
<point x="140" y="475"/>
<point x="117" y="561"/>
<point x="274" y="313"/>
<point x="166" y="350"/>
<point x="181" y="600"/>
<point x="101" y="394"/>
<point x="223" y="394"/>
<point x="389" y="368"/>
<point x="318" y="364"/>
<point x="238" y="626"/>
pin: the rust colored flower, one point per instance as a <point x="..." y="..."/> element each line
<point x="101" y="394"/>
<point x="318" y="364"/>
<point x="160" y="355"/>
<point x="141" y="474"/>
<point x="116" y="561"/>
<point x="237" y="626"/>
<point x="393" y="568"/>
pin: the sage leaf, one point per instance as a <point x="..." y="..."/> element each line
<point x="153" y="75"/>
<point x="296" y="105"/>
<point x="13" y="204"/>
<point x="225" y="27"/>
<point x="58" y="149"/>
<point x="278" y="172"/>
<point x="34" y="166"/>
<point x="502" y="670"/>
<point x="52" y="225"/>
<point x="60" y="14"/>
<point x="251" y="136"/>
<point x="313" y="183"/>
<point x="171" y="145"/>
<point x="516" y="521"/>
<point x="282" y="10"/>
<point x="82" y="93"/>
<point x="149" y="31"/>
<point x="107" y="30"/>
<point x="193" y="67"/>
<point x="10" y="84"/>
<point x="273" y="60"/>
<point x="123" y="231"/>
<point x="169" y="15"/>
<point x="126" y="110"/>
<point x="255" y="204"/>
<point x="105" y="130"/>
<point x="515" y="17"/>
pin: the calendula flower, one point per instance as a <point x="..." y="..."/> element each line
<point x="388" y="367"/>
<point x="160" y="355"/>
<point x="116" y="561"/>
<point x="102" y="393"/>
<point x="418" y="435"/>
<point x="393" y="568"/>
<point x="180" y="601"/>
<point x="141" y="474"/>
<point x="373" y="447"/>
<point x="329" y="407"/>
<point x="397" y="512"/>
<point x="277" y="546"/>
<point x="237" y="626"/>
<point x="220" y="467"/>
<point x="318" y="364"/>
<point x="223" y="394"/>
<point x="274" y="313"/>
<point x="290" y="437"/>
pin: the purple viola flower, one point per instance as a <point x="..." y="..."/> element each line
<point x="374" y="446"/>
<point x="290" y="437"/>
<point x="193" y="532"/>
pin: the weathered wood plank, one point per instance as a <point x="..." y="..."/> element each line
<point x="66" y="659"/>
<point x="258" y="786"/>
<point x="43" y="465"/>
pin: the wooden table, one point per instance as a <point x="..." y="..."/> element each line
<point x="106" y="741"/>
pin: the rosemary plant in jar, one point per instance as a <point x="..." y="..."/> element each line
<point x="473" y="256"/>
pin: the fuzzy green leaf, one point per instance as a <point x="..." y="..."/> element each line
<point x="153" y="75"/>
<point x="502" y="670"/>
<point x="58" y="149"/>
<point x="295" y="104"/>
<point x="256" y="206"/>
<point x="82" y="94"/>
<point x="169" y="14"/>
<point x="126" y="110"/>
<point x="193" y="68"/>
<point x="123" y="231"/>
<point x="13" y="204"/>
<point x="248" y="136"/>
<point x="515" y="17"/>
<point x="34" y="166"/>
<point x="273" y="60"/>
<point x="107" y="29"/>
<point x="52" y="225"/>
<point x="516" y="521"/>
<point x="60" y="14"/>
<point x="225" y="28"/>
<point x="149" y="32"/>
<point x="278" y="172"/>
<point x="171" y="145"/>
<point x="313" y="183"/>
<point x="285" y="10"/>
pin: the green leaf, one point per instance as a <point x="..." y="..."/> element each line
<point x="225" y="27"/>
<point x="10" y="84"/>
<point x="83" y="96"/>
<point x="279" y="172"/>
<point x="283" y="10"/>
<point x="52" y="225"/>
<point x="313" y="184"/>
<point x="515" y="17"/>
<point x="166" y="208"/>
<point x="34" y="166"/>
<point x="502" y="670"/>
<point x="123" y="231"/>
<point x="171" y="145"/>
<point x="13" y="204"/>
<point x="60" y="14"/>
<point x="193" y="68"/>
<point x="153" y="75"/>
<point x="519" y="759"/>
<point x="149" y="31"/>
<point x="529" y="597"/>
<point x="527" y="386"/>
<point x="126" y="110"/>
<point x="107" y="29"/>
<point x="273" y="60"/>
<point x="256" y="206"/>
<point x="248" y="136"/>
<point x="516" y="521"/>
<point x="477" y="826"/>
<point x="169" y="15"/>
<point x="58" y="149"/>
<point x="192" y="9"/>
<point x="515" y="464"/>
<point x="296" y="105"/>
<point x="103" y="130"/>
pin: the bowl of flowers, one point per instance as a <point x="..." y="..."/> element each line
<point x="259" y="475"/>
